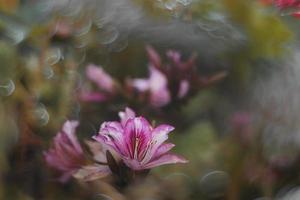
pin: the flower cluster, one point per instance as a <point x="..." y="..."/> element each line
<point x="132" y="141"/>
<point x="168" y="82"/>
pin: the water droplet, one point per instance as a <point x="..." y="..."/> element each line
<point x="53" y="56"/>
<point x="72" y="8"/>
<point x="103" y="197"/>
<point x="107" y="35"/>
<point x="118" y="45"/>
<point x="7" y="87"/>
<point x="82" y="27"/>
<point x="214" y="184"/>
<point x="16" y="33"/>
<point x="76" y="77"/>
<point x="48" y="72"/>
<point x="170" y="4"/>
<point x="100" y="23"/>
<point x="42" y="115"/>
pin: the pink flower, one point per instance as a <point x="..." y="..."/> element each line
<point x="184" y="87"/>
<point x="156" y="85"/>
<point x="137" y="143"/>
<point x="66" y="155"/>
<point x="289" y="4"/>
<point x="104" y="82"/>
<point x="286" y="3"/>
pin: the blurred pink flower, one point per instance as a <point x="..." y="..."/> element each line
<point x="104" y="82"/>
<point x="184" y="87"/>
<point x="66" y="155"/>
<point x="137" y="143"/>
<point x="289" y="4"/>
<point x="156" y="85"/>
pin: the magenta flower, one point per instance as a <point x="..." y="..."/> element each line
<point x="66" y="155"/>
<point x="156" y="85"/>
<point x="137" y="143"/>
<point x="184" y="87"/>
<point x="105" y="83"/>
<point x="289" y="4"/>
<point x="103" y="80"/>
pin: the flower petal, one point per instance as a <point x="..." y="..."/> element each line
<point x="138" y="134"/>
<point x="124" y="116"/>
<point x="153" y="56"/>
<point x="163" y="149"/>
<point x="92" y="172"/>
<point x="184" y="87"/>
<point x="112" y="134"/>
<point x="69" y="129"/>
<point x="159" y="91"/>
<point x="159" y="136"/>
<point x="165" y="159"/>
<point x="142" y="85"/>
<point x="100" y="77"/>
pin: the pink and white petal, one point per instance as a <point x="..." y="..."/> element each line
<point x="124" y="116"/>
<point x="97" y="150"/>
<point x="183" y="89"/>
<point x="100" y="77"/>
<point x="112" y="134"/>
<point x="138" y="134"/>
<point x="159" y="92"/>
<point x="157" y="80"/>
<point x="142" y="85"/>
<point x="153" y="56"/>
<point x="174" y="56"/>
<point x="163" y="149"/>
<point x="160" y="133"/>
<point x="112" y="124"/>
<point x="165" y="159"/>
<point x="160" y="98"/>
<point x="69" y="129"/>
<point x="92" y="172"/>
<point x="159" y="136"/>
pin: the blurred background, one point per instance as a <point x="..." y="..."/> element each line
<point x="231" y="69"/>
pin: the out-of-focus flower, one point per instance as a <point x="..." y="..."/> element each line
<point x="104" y="82"/>
<point x="156" y="85"/>
<point x="172" y="81"/>
<point x="137" y="143"/>
<point x="293" y="5"/>
<point x="183" y="89"/>
<point x="63" y="29"/>
<point x="66" y="155"/>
